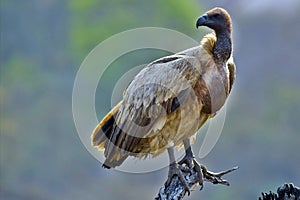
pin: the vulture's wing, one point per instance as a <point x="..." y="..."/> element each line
<point x="232" y="72"/>
<point x="155" y="92"/>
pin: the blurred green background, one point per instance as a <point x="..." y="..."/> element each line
<point x="43" y="43"/>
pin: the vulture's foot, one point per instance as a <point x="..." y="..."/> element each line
<point x="216" y="178"/>
<point x="174" y="170"/>
<point x="193" y="164"/>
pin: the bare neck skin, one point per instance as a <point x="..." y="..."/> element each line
<point x="223" y="47"/>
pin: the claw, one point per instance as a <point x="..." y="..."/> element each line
<point x="193" y="164"/>
<point x="197" y="168"/>
<point x="174" y="170"/>
<point x="187" y="160"/>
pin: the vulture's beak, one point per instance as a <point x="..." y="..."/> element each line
<point x="202" y="20"/>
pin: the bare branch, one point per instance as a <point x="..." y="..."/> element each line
<point x="285" y="192"/>
<point x="176" y="191"/>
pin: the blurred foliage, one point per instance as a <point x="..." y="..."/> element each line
<point x="94" y="21"/>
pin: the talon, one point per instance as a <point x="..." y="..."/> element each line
<point x="174" y="170"/>
<point x="193" y="164"/>
<point x="187" y="160"/>
<point x="201" y="187"/>
<point x="197" y="168"/>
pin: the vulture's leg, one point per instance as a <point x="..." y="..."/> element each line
<point x="189" y="159"/>
<point x="174" y="170"/>
<point x="203" y="173"/>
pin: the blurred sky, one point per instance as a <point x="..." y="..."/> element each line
<point x="257" y="6"/>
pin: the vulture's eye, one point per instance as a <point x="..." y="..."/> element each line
<point x="217" y="15"/>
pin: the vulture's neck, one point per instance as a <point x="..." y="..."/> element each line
<point x="223" y="47"/>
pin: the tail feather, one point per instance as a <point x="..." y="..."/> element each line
<point x="103" y="135"/>
<point x="103" y="130"/>
<point x="114" y="163"/>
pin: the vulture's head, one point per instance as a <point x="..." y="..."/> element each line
<point x="217" y="19"/>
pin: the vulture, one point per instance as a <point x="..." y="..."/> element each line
<point x="169" y="100"/>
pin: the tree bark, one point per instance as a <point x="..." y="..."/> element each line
<point x="285" y="192"/>
<point x="175" y="190"/>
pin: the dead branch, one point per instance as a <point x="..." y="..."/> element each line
<point x="176" y="191"/>
<point x="285" y="192"/>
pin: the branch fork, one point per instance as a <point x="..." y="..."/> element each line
<point x="176" y="191"/>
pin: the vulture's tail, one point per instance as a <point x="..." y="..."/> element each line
<point x="103" y="133"/>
